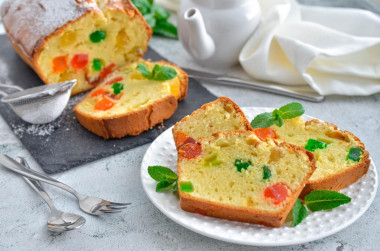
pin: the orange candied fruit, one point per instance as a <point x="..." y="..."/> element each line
<point x="190" y="150"/>
<point x="79" y="61"/>
<point x="116" y="79"/>
<point x="104" y="104"/>
<point x="180" y="138"/>
<point x="265" y="133"/>
<point x="107" y="70"/>
<point x="60" y="64"/>
<point x="98" y="92"/>
<point x="277" y="193"/>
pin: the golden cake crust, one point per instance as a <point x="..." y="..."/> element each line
<point x="131" y="123"/>
<point x="342" y="179"/>
<point x="204" y="107"/>
<point x="135" y="122"/>
<point x="219" y="210"/>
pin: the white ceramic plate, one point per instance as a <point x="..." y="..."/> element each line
<point x="316" y="226"/>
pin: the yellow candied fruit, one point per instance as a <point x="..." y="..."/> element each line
<point x="122" y="39"/>
<point x="68" y="38"/>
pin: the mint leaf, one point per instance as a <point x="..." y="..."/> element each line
<point x="150" y="19"/>
<point x="263" y="120"/>
<point x="160" y="13"/>
<point x="278" y="119"/>
<point x="299" y="212"/>
<point x="117" y="87"/>
<point x="144" y="71"/>
<point x="161" y="173"/>
<point x="266" y="173"/>
<point x="164" y="186"/>
<point x="164" y="28"/>
<point x="325" y="200"/>
<point x="292" y="110"/>
<point x="175" y="188"/>
<point x="143" y="6"/>
<point x="161" y="73"/>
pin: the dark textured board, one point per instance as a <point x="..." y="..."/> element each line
<point x="64" y="143"/>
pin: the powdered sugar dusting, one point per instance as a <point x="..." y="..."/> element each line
<point x="29" y="22"/>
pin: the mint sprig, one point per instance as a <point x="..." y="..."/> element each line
<point x="289" y="111"/>
<point x="167" y="179"/>
<point x="317" y="201"/>
<point x="299" y="212"/>
<point x="159" y="73"/>
<point x="157" y="18"/>
<point x="325" y="200"/>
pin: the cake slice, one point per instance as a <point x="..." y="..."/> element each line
<point x="126" y="103"/>
<point x="221" y="115"/>
<point x="237" y="176"/>
<point x="341" y="158"/>
<point x="71" y="39"/>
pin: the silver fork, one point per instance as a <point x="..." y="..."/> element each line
<point x="88" y="204"/>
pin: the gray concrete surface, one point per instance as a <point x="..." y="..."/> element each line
<point x="23" y="214"/>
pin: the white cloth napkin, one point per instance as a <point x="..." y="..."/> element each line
<point x="334" y="50"/>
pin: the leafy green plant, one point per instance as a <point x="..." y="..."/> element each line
<point x="267" y="119"/>
<point x="317" y="201"/>
<point x="157" y="18"/>
<point x="159" y="73"/>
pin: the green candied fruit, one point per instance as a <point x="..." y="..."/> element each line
<point x="354" y="154"/>
<point x="186" y="186"/>
<point x="117" y="87"/>
<point x="240" y="164"/>
<point x="266" y="173"/>
<point x="97" y="64"/>
<point x="313" y="144"/>
<point x="212" y="160"/>
<point x="97" y="36"/>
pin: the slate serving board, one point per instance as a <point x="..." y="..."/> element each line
<point x="64" y="143"/>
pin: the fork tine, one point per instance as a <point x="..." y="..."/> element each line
<point x="117" y="204"/>
<point x="111" y="211"/>
<point x="115" y="207"/>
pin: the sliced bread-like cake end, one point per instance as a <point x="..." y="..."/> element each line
<point x="236" y="176"/>
<point x="126" y="103"/>
<point x="221" y="115"/>
<point x="341" y="158"/>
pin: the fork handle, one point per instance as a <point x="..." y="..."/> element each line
<point x="11" y="164"/>
<point x="36" y="185"/>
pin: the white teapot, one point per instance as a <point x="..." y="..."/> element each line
<point x="214" y="31"/>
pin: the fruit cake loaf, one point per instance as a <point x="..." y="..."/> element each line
<point x="341" y="158"/>
<point x="71" y="39"/>
<point x="221" y="115"/>
<point x="126" y="103"/>
<point x="237" y="176"/>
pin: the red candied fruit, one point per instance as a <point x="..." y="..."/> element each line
<point x="265" y="133"/>
<point x="107" y="70"/>
<point x="277" y="193"/>
<point x="190" y="150"/>
<point x="98" y="92"/>
<point x="79" y="61"/>
<point x="116" y="79"/>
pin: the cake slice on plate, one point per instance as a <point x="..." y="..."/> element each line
<point x="221" y="115"/>
<point x="341" y="158"/>
<point x="237" y="176"/>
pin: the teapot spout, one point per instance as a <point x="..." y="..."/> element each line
<point x="201" y="44"/>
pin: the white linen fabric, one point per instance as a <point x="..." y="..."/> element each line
<point x="334" y="50"/>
